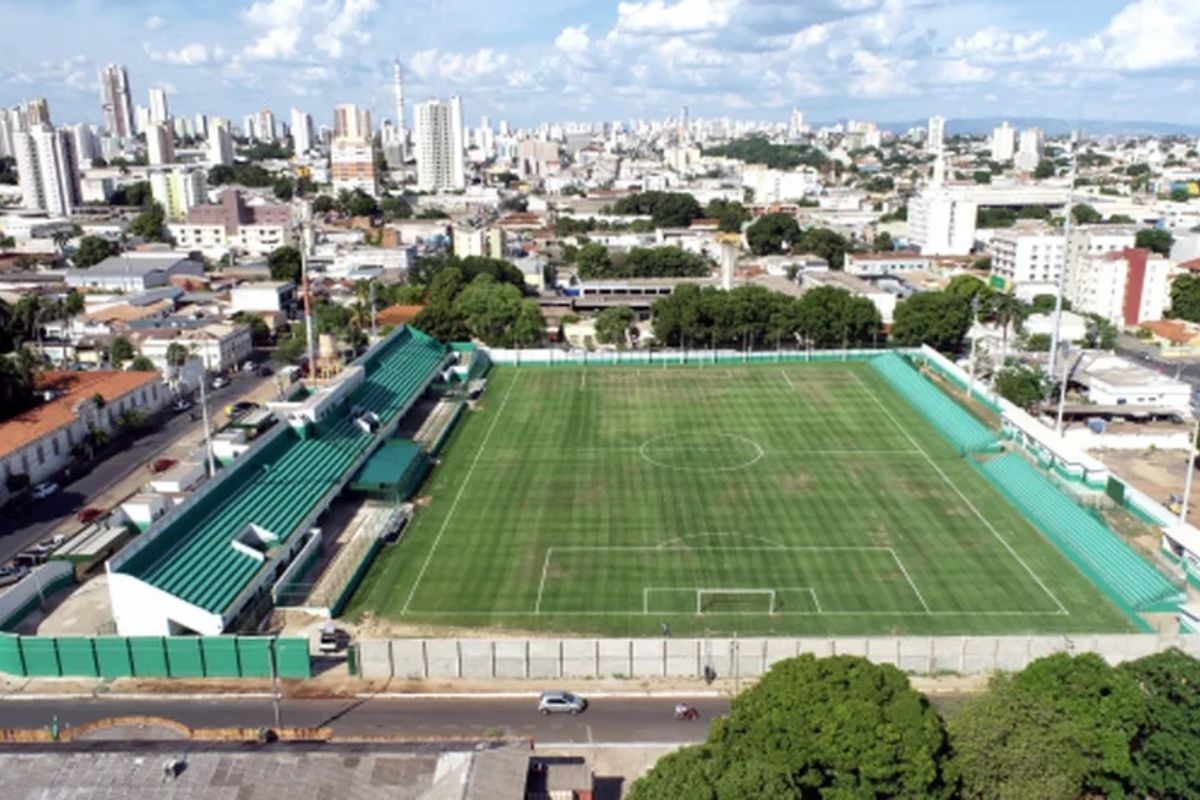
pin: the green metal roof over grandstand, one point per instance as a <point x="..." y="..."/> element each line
<point x="278" y="486"/>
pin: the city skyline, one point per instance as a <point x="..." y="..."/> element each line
<point x="887" y="60"/>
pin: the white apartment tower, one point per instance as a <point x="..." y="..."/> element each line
<point x="160" y="144"/>
<point x="116" y="105"/>
<point x="220" y="142"/>
<point x="159" y="111"/>
<point x="47" y="168"/>
<point x="401" y="122"/>
<point x="1029" y="154"/>
<point x="302" y="132"/>
<point x="1004" y="143"/>
<point x="352" y="151"/>
<point x="264" y="125"/>
<point x="796" y="126"/>
<point x="439" y="145"/>
<point x="937" y="134"/>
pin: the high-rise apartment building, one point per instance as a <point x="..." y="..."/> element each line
<point x="86" y="143"/>
<point x="352" y="151"/>
<point x="178" y="190"/>
<point x="160" y="144"/>
<point x="439" y="145"/>
<point x="264" y="125"/>
<point x="936" y="136"/>
<point x="220" y="142"/>
<point x="302" y="132"/>
<point x="47" y="170"/>
<point x="1004" y="143"/>
<point x="1029" y="154"/>
<point x="159" y="112"/>
<point x="401" y="130"/>
<point x="116" y="105"/>
<point x="37" y="112"/>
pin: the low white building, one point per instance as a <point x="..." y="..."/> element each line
<point x="776" y="185"/>
<point x="897" y="263"/>
<point x="220" y="346"/>
<point x="43" y="441"/>
<point x="263" y="297"/>
<point x="1113" y="380"/>
<point x="134" y="272"/>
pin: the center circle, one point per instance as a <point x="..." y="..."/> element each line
<point x="701" y="452"/>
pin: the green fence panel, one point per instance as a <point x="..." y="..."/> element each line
<point x="149" y="656"/>
<point x="220" y="657"/>
<point x="41" y="657"/>
<point x="77" y="656"/>
<point x="254" y="652"/>
<point x="113" y="658"/>
<point x="184" y="659"/>
<point x="11" y="661"/>
<point x="291" y="658"/>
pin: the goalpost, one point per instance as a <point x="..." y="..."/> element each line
<point x="736" y="600"/>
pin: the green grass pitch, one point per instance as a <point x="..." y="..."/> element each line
<point x="800" y="499"/>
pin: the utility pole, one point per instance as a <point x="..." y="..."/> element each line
<point x="309" y="332"/>
<point x="1191" y="467"/>
<point x="208" y="447"/>
<point x="275" y="685"/>
<point x="1066" y="263"/>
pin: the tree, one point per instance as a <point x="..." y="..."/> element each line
<point x="285" y="264"/>
<point x="833" y="727"/>
<point x="395" y="208"/>
<point x="1185" y="298"/>
<point x="983" y="176"/>
<point x="1164" y="748"/>
<point x="1180" y="194"/>
<point x="937" y="319"/>
<point x="773" y="233"/>
<point x="141" y="364"/>
<point x="1038" y="343"/>
<point x="883" y="243"/>
<point x="177" y="354"/>
<point x="357" y="204"/>
<point x="612" y="326"/>
<point x="91" y="251"/>
<point x="831" y="317"/>
<point x="488" y="309"/>
<point x="827" y="244"/>
<point x="729" y="214"/>
<point x="283" y="188"/>
<point x="593" y="261"/>
<point x="1159" y="241"/>
<point x="149" y="224"/>
<point x="135" y="194"/>
<point x="530" y="326"/>
<point x="1061" y="728"/>
<point x="1045" y="169"/>
<point x="1021" y="385"/>
<point x="1120" y="219"/>
<point x="1045" y="304"/>
<point x="667" y="209"/>
<point x="323" y="204"/>
<point x="120" y="351"/>
<point x="260" y="332"/>
<point x="1084" y="214"/>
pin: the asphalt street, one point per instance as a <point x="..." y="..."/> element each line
<point x="20" y="529"/>
<point x="606" y="720"/>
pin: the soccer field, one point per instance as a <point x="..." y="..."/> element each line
<point x="771" y="499"/>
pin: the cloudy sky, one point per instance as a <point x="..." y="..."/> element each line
<point x="533" y="60"/>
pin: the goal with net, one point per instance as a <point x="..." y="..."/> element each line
<point x="736" y="601"/>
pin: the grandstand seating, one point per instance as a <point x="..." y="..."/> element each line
<point x="950" y="419"/>
<point x="194" y="559"/>
<point x="1083" y="538"/>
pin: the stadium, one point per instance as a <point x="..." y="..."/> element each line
<point x="793" y="494"/>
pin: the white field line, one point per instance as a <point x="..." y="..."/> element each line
<point x="537" y="609"/>
<point x="583" y="379"/>
<point x="461" y="491"/>
<point x="816" y="602"/>
<point x="911" y="583"/>
<point x="1061" y="608"/>
<point x="827" y="613"/>
<point x="791" y="385"/>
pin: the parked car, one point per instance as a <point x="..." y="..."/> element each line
<point x="181" y="405"/>
<point x="29" y="558"/>
<point x="43" y="490"/>
<point x="220" y="382"/>
<point x="162" y="465"/>
<point x="240" y="407"/>
<point x="555" y="702"/>
<point x="248" y="366"/>
<point x="89" y="514"/>
<point x="10" y="575"/>
<point x="265" y="371"/>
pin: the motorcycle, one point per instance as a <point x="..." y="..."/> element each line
<point x="686" y="713"/>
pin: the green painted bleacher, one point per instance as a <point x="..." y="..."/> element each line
<point x="1083" y="538"/>
<point x="194" y="559"/>
<point x="948" y="417"/>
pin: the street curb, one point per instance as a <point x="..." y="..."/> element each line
<point x="166" y="698"/>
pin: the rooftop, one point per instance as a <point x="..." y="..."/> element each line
<point x="278" y="484"/>
<point x="133" y="264"/>
<point x="40" y="420"/>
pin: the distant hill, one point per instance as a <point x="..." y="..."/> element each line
<point x="1054" y="127"/>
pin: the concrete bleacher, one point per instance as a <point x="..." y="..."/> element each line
<point x="948" y="417"/>
<point x="1082" y="537"/>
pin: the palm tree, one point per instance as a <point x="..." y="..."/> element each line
<point x="1004" y="309"/>
<point x="361" y="312"/>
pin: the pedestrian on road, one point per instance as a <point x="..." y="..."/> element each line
<point x="710" y="674"/>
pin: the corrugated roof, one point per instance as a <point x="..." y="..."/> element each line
<point x="194" y="559"/>
<point x="389" y="464"/>
<point x="40" y="420"/>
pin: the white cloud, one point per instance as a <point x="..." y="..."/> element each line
<point x="155" y="22"/>
<point x="457" y="67"/>
<point x="1149" y="34"/>
<point x="656" y="17"/>
<point x="573" y="41"/>
<point x="190" y="55"/>
<point x="959" y="70"/>
<point x="812" y="36"/>
<point x="285" y="27"/>
<point x="995" y="45"/>
<point x="878" y="76"/>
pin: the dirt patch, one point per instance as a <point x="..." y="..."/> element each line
<point x="798" y="481"/>
<point x="1158" y="473"/>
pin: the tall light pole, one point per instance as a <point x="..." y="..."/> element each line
<point x="208" y="446"/>
<point x="1062" y="273"/>
<point x="1191" y="466"/>
<point x="309" y="332"/>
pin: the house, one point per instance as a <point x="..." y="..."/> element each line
<point x="1175" y="338"/>
<point x="221" y="346"/>
<point x="135" y="272"/>
<point x="263" y="297"/>
<point x="41" y="442"/>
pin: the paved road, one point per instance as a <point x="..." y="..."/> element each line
<point x="34" y="521"/>
<point x="1140" y="353"/>
<point x="606" y="720"/>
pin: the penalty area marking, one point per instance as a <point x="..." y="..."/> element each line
<point x="962" y="496"/>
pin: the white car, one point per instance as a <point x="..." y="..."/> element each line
<point x="220" y="382"/>
<point x="43" y="490"/>
<point x="552" y="702"/>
